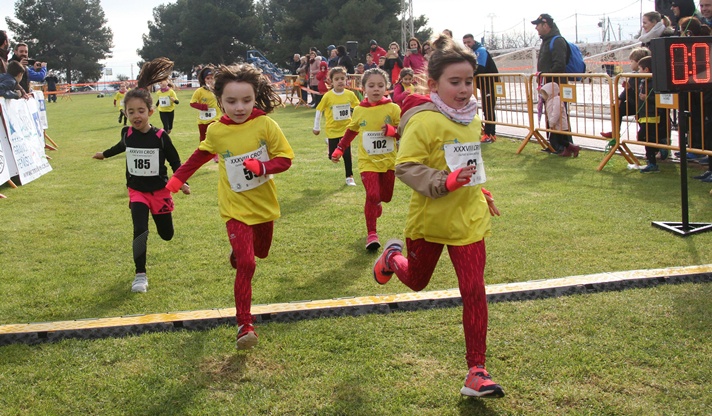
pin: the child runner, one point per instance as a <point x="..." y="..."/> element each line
<point x="119" y="97"/>
<point x="336" y="105"/>
<point x="440" y="158"/>
<point x="404" y="86"/>
<point x="167" y="101"/>
<point x="147" y="149"/>
<point x="204" y="101"/>
<point x="252" y="148"/>
<point x="374" y="120"/>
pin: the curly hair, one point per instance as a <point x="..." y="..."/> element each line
<point x="266" y="97"/>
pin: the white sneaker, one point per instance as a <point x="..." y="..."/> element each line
<point x="140" y="283"/>
<point x="350" y="182"/>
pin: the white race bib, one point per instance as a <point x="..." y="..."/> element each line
<point x="121" y="103"/>
<point x="142" y="162"/>
<point x="341" y="112"/>
<point x="459" y="155"/>
<point x="208" y="114"/>
<point x="376" y="143"/>
<point x="242" y="179"/>
<point x="164" y="102"/>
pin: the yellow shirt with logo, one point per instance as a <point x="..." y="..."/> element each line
<point x="461" y="217"/>
<point x="257" y="205"/>
<point x="119" y="98"/>
<point x="204" y="96"/>
<point x="370" y="120"/>
<point x="167" y="96"/>
<point x="337" y="122"/>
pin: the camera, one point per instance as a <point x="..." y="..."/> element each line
<point x="31" y="62"/>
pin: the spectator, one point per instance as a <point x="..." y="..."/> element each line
<point x="706" y="12"/>
<point x="4" y="46"/>
<point x="344" y="60"/>
<point x="552" y="59"/>
<point x="314" y="61"/>
<point x="653" y="27"/>
<point x="681" y="9"/>
<point x="664" y="8"/>
<point x="370" y="62"/>
<point x="360" y="68"/>
<point x="376" y="51"/>
<point x="448" y="33"/>
<point x="10" y="81"/>
<point x="296" y="63"/>
<point x="34" y="70"/>
<point x="485" y="65"/>
<point x="394" y="62"/>
<point x="333" y="58"/>
<point x="427" y="49"/>
<point x="414" y="57"/>
<point x="52" y="81"/>
<point x="651" y="128"/>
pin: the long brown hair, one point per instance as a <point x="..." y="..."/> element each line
<point x="151" y="73"/>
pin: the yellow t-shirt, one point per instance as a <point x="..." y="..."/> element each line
<point x="119" y="98"/>
<point x="204" y="96"/>
<point x="234" y="143"/>
<point x="337" y="111"/>
<point x="165" y="104"/>
<point x="376" y="153"/>
<point x="459" y="218"/>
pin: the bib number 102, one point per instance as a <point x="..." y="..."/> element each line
<point x="380" y="144"/>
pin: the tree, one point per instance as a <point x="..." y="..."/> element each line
<point x="296" y="25"/>
<point x="70" y="35"/>
<point x="192" y="32"/>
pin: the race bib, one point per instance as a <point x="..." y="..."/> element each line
<point x="242" y="179"/>
<point x="142" y="162"/>
<point x="376" y="143"/>
<point x="341" y="112"/>
<point x="164" y="102"/>
<point x="459" y="155"/>
<point x="121" y="103"/>
<point x="208" y="114"/>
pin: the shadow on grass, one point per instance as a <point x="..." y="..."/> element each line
<point x="475" y="406"/>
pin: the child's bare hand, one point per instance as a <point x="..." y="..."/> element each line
<point x="185" y="189"/>
<point x="466" y="173"/>
<point x="316" y="132"/>
<point x="98" y="155"/>
<point x="494" y="211"/>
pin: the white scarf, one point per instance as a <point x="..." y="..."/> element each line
<point x="464" y="115"/>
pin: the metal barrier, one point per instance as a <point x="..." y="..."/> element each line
<point x="508" y="96"/>
<point x="629" y="105"/>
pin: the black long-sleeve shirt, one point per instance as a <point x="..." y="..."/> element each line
<point x="148" y="140"/>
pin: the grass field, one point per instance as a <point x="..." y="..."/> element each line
<point x="66" y="254"/>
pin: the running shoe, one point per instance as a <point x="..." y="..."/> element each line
<point x="246" y="337"/>
<point x="381" y="272"/>
<point x="478" y="383"/>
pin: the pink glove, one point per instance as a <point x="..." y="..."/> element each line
<point x="254" y="166"/>
<point x="452" y="183"/>
<point x="390" y="131"/>
<point x="336" y="155"/>
<point x="174" y="184"/>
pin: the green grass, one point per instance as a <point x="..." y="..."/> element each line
<point x="66" y="254"/>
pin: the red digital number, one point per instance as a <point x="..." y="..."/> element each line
<point x="681" y="62"/>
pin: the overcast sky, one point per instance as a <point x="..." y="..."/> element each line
<point x="128" y="20"/>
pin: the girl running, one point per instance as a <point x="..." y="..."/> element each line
<point x="440" y="158"/>
<point x="147" y="149"/>
<point x="166" y="104"/>
<point x="119" y="98"/>
<point x="252" y="148"/>
<point x="375" y="121"/>
<point x="336" y="105"/>
<point x="404" y="87"/>
<point x="204" y="101"/>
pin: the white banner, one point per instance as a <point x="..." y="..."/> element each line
<point x="39" y="96"/>
<point x="5" y="162"/>
<point x="21" y="119"/>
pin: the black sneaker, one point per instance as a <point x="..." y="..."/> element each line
<point x="704" y="175"/>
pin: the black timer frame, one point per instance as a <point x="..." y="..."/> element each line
<point x="682" y="64"/>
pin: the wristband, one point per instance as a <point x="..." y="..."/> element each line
<point x="254" y="166"/>
<point x="174" y="184"/>
<point x="451" y="183"/>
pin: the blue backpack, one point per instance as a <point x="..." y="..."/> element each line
<point x="575" y="63"/>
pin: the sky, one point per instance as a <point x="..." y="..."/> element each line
<point x="128" y="21"/>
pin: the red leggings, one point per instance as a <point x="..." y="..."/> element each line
<point x="416" y="270"/>
<point x="379" y="188"/>
<point x="247" y="241"/>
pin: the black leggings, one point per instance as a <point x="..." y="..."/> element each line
<point x="167" y="120"/>
<point x="333" y="143"/>
<point x="164" y="226"/>
<point x="122" y="115"/>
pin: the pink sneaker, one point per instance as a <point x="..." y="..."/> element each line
<point x="246" y="337"/>
<point x="381" y="272"/>
<point x="372" y="243"/>
<point x="478" y="383"/>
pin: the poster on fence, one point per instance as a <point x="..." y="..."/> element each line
<point x="25" y="136"/>
<point x="39" y="96"/>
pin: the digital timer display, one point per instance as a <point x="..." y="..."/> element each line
<point x="681" y="63"/>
